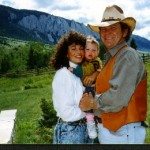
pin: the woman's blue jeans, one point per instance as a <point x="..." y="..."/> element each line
<point x="71" y="133"/>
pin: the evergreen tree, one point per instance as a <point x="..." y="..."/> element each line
<point x="38" y="56"/>
<point x="133" y="44"/>
<point x="48" y="118"/>
<point x="102" y="51"/>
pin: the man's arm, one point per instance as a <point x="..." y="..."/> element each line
<point x="126" y="75"/>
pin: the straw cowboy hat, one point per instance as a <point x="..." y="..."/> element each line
<point x="114" y="14"/>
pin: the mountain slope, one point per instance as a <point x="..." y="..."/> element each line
<point x="40" y="26"/>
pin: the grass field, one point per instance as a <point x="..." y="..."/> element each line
<point x="14" y="95"/>
<point x="24" y="94"/>
<point x="148" y="113"/>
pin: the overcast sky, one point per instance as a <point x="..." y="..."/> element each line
<point x="89" y="11"/>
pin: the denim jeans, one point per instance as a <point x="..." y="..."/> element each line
<point x="71" y="133"/>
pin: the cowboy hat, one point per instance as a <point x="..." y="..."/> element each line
<point x="114" y="14"/>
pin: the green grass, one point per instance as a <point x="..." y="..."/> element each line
<point x="148" y="94"/>
<point x="24" y="94"/>
<point x="14" y="95"/>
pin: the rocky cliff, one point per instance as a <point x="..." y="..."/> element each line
<point x="40" y="26"/>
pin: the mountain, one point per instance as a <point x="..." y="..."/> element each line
<point x="142" y="43"/>
<point x="40" y="26"/>
<point x="34" y="25"/>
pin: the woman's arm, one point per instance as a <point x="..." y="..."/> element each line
<point x="67" y="92"/>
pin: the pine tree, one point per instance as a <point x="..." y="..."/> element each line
<point x="102" y="51"/>
<point x="49" y="117"/>
<point x="133" y="44"/>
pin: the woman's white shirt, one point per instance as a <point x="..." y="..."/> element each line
<point x="67" y="92"/>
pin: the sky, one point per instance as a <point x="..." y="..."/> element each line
<point x="89" y="11"/>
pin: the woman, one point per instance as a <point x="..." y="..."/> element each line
<point x="68" y="90"/>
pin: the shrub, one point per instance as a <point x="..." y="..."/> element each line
<point x="48" y="118"/>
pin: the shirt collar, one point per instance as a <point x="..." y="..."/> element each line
<point x="115" y="49"/>
<point x="73" y="65"/>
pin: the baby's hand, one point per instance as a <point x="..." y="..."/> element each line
<point x="88" y="80"/>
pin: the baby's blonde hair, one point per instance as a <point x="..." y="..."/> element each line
<point x="92" y="40"/>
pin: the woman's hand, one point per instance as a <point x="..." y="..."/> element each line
<point x="87" y="102"/>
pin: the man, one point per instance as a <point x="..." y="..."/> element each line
<point x="121" y="99"/>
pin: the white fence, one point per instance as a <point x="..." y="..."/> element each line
<point x="7" y="124"/>
<point x="145" y="56"/>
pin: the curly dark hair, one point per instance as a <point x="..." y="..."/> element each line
<point x="60" y="59"/>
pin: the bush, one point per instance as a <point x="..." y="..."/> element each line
<point x="48" y="118"/>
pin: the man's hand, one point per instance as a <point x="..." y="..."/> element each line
<point x="87" y="102"/>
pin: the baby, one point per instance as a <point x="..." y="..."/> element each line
<point x="90" y="65"/>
